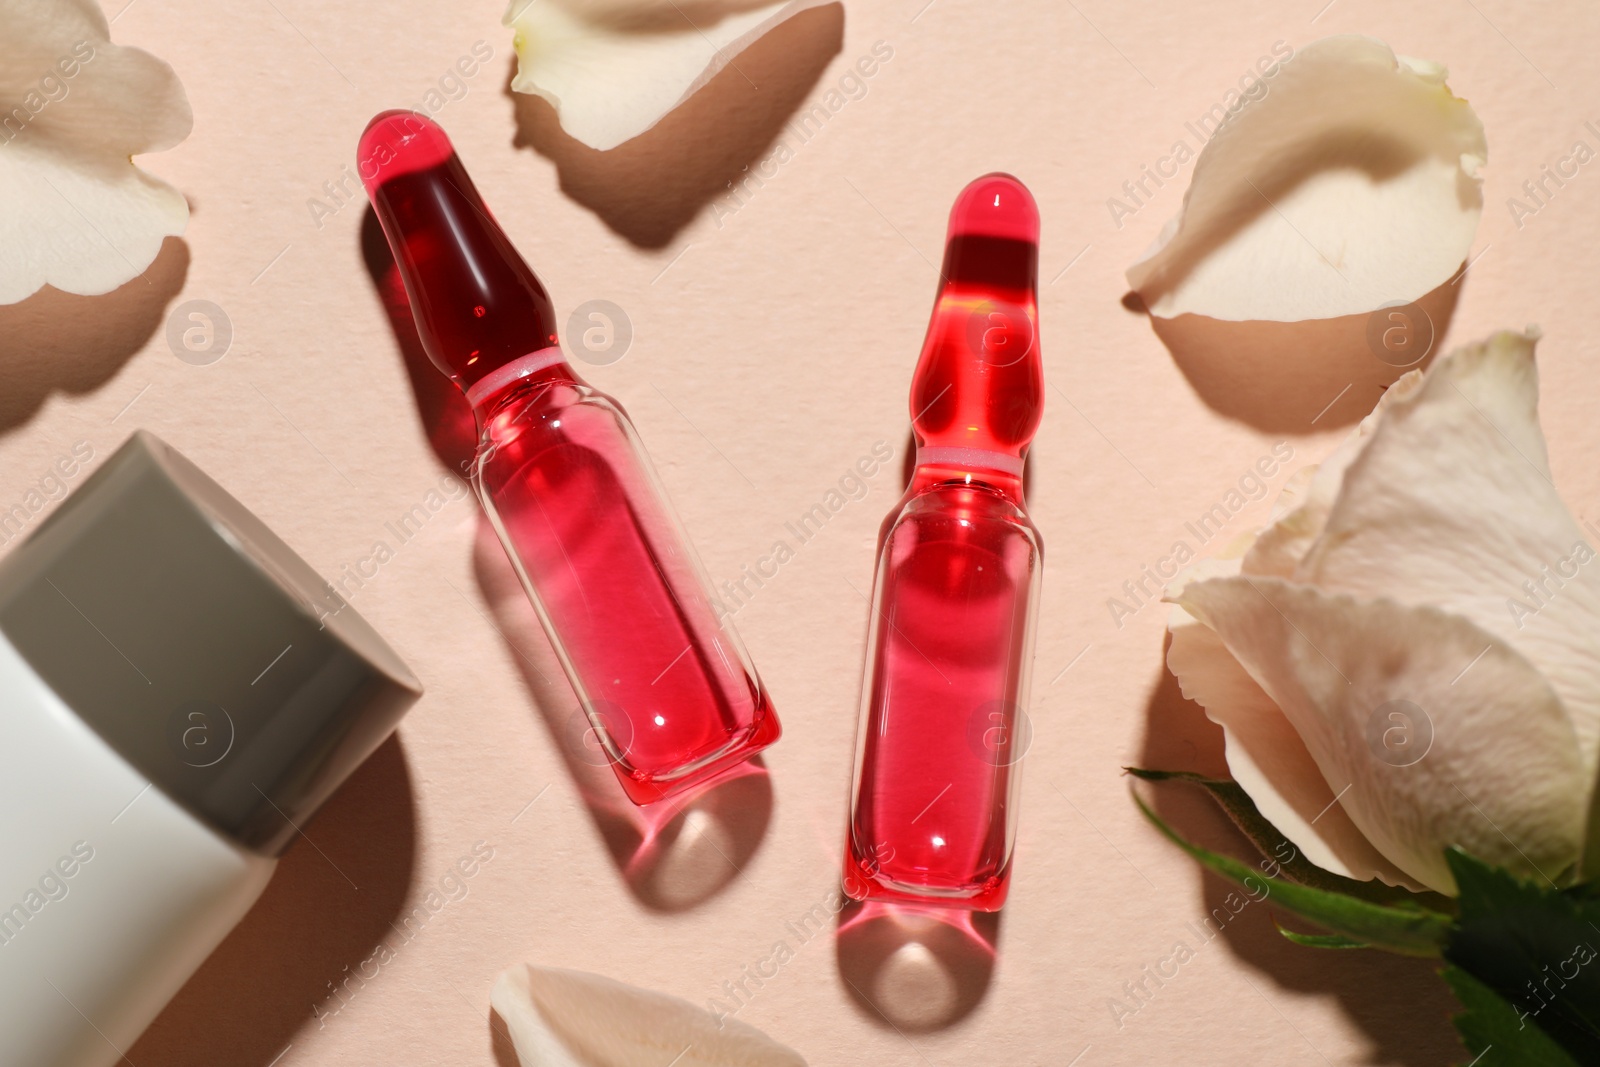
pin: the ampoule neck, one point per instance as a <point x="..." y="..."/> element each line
<point x="519" y="378"/>
<point x="991" y="473"/>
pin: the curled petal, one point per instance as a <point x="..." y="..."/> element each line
<point x="1451" y="503"/>
<point x="561" y="1018"/>
<point x="1265" y="754"/>
<point x="1418" y="762"/>
<point x="1350" y="181"/>
<point x="1302" y="509"/>
<point x="614" y="68"/>
<point x="75" y="212"/>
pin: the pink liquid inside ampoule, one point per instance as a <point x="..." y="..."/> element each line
<point x="667" y="691"/>
<point x="933" y="817"/>
<point x="662" y="682"/>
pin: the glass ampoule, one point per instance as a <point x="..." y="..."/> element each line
<point x="942" y="727"/>
<point x="665" y="683"/>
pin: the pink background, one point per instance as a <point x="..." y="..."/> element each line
<point x="773" y="344"/>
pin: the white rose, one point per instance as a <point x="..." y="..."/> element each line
<point x="1408" y="657"/>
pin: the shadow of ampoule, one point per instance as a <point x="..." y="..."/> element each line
<point x="445" y="414"/>
<point x="58" y="342"/>
<point x="651" y="187"/>
<point x="916" y="968"/>
<point x="673" y="854"/>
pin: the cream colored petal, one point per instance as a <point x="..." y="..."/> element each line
<point x="75" y="212"/>
<point x="1268" y="759"/>
<point x="614" y="68"/>
<point x="1302" y="510"/>
<point x="80" y="231"/>
<point x="1451" y="503"/>
<point x="1418" y="762"/>
<point x="1297" y="518"/>
<point x="1265" y="755"/>
<point x="561" y="1018"/>
<point x="1349" y="182"/>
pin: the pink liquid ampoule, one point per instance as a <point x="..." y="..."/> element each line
<point x="950" y="643"/>
<point x="666" y="686"/>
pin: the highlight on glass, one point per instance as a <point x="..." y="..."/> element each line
<point x="665" y="683"/>
<point x="942" y="724"/>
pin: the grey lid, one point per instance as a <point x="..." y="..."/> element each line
<point x="200" y="646"/>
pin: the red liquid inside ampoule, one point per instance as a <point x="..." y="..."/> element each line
<point x="667" y="691"/>
<point x="933" y="817"/>
<point x="662" y="681"/>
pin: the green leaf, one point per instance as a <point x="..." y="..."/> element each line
<point x="1319" y="940"/>
<point x="1273" y="845"/>
<point x="1536" y="946"/>
<point x="1411" y="931"/>
<point x="1495" y="1033"/>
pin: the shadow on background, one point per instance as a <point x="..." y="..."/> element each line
<point x="500" y="1043"/>
<point x="1399" y="1003"/>
<point x="916" y="968"/>
<point x="912" y="967"/>
<point x="672" y="855"/>
<point x="445" y="414"/>
<point x="649" y="188"/>
<point x="1283" y="376"/>
<point x="327" y="908"/>
<point x="58" y="342"/>
<point x="1300" y="377"/>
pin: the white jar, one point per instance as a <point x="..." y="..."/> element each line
<point x="179" y="692"/>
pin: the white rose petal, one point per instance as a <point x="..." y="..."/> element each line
<point x="1265" y="754"/>
<point x="1451" y="503"/>
<point x="1302" y="510"/>
<point x="1429" y="560"/>
<point x="75" y="213"/>
<point x="561" y="1018"/>
<point x="614" y="68"/>
<point x="1501" y="771"/>
<point x="1351" y="184"/>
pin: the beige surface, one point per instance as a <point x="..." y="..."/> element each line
<point x="773" y="346"/>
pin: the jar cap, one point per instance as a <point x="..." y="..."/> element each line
<point x="197" y="644"/>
